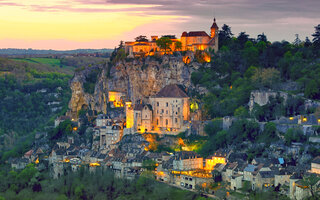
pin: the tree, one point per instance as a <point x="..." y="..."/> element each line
<point x="266" y="77"/>
<point x="141" y="38"/>
<point x="307" y="42"/>
<point x="242" y="38"/>
<point x="262" y="38"/>
<point x="316" y="37"/>
<point x="294" y="135"/>
<point x="178" y="45"/>
<point x="164" y="43"/>
<point x="312" y="182"/>
<point x="225" y="35"/>
<point x="297" y="41"/>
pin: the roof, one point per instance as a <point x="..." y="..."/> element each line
<point x="185" y="155"/>
<point x="171" y="91"/>
<point x="214" y="25"/>
<point x="195" y="34"/>
<point x="267" y="174"/>
<point x="316" y="160"/>
<point x="250" y="168"/>
<point x="138" y="107"/>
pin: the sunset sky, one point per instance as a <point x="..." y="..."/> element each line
<point x="72" y="24"/>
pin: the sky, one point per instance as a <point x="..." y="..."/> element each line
<point x="95" y="24"/>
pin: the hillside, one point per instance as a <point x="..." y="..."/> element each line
<point x="32" y="93"/>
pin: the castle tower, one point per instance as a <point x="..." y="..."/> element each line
<point x="214" y="28"/>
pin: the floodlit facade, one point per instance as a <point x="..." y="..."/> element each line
<point x="190" y="41"/>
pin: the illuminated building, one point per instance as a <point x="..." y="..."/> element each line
<point x="115" y="97"/>
<point x="129" y="115"/>
<point x="187" y="160"/>
<point x="143" y="117"/>
<point x="191" y="41"/>
<point x="218" y="157"/>
<point x="170" y="108"/>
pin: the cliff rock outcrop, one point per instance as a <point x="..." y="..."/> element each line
<point x="137" y="79"/>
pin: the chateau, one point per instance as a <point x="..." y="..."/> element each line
<point x="190" y="41"/>
<point x="167" y="111"/>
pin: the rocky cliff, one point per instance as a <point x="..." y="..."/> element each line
<point x="137" y="79"/>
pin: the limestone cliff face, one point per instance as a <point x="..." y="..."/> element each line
<point x="137" y="79"/>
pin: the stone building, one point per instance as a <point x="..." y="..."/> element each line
<point x="190" y="41"/>
<point x="315" y="165"/>
<point x="142" y="117"/>
<point x="170" y="108"/>
<point x="187" y="160"/>
<point x="110" y="134"/>
<point x="167" y="112"/>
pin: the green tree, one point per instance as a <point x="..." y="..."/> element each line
<point x="178" y="45"/>
<point x="164" y="43"/>
<point x="316" y="37"/>
<point x="241" y="112"/>
<point x="311" y="182"/>
<point x="294" y="135"/>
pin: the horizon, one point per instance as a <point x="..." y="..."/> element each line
<point x="98" y="24"/>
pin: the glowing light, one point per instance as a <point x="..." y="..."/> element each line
<point x="129" y="115"/>
<point x="194" y="106"/>
<point x="115" y="97"/>
<point x="207" y="57"/>
<point x="291" y="118"/>
<point x="75" y="128"/>
<point x="66" y="160"/>
<point x="304" y="119"/>
<point x="211" y="163"/>
<point x="37" y="161"/>
<point x="186" y="59"/>
<point x="318" y="120"/>
<point x="230" y="87"/>
<point x="95" y="164"/>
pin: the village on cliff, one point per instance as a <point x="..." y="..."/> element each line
<point x="129" y="135"/>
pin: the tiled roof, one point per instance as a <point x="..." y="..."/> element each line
<point x="197" y="34"/>
<point x="171" y="90"/>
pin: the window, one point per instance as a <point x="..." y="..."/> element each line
<point x="146" y="116"/>
<point x="162" y="111"/>
<point x="157" y="121"/>
<point x="157" y="111"/>
<point x="179" y="109"/>
<point x="166" y="112"/>
<point x="157" y="103"/>
<point x="167" y="104"/>
<point x="176" y="120"/>
<point x="166" y="121"/>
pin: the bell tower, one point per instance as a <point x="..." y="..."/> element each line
<point x="214" y="28"/>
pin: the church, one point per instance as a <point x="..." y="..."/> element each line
<point x="190" y="41"/>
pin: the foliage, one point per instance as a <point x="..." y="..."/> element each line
<point x="85" y="185"/>
<point x="91" y="80"/>
<point x="266" y="77"/>
<point x="149" y="164"/>
<point x="178" y="45"/>
<point x="294" y="135"/>
<point x="164" y="43"/>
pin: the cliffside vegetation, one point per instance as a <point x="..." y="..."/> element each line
<point x="32" y="184"/>
<point x="244" y="64"/>
<point x="33" y="92"/>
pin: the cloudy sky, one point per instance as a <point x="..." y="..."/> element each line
<point x="71" y="24"/>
